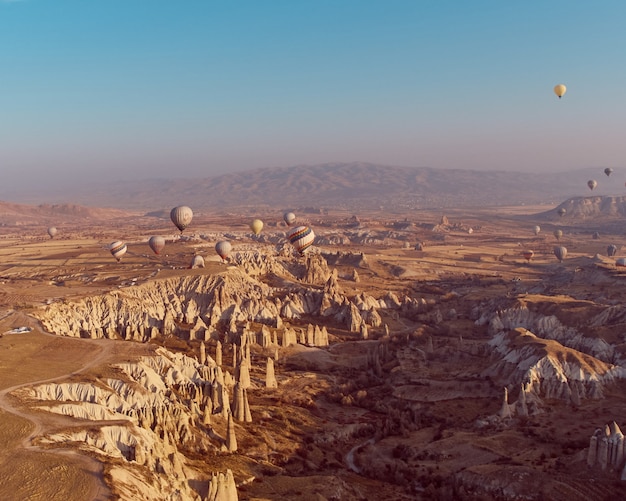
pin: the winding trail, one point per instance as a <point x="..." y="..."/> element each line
<point x="100" y="491"/>
<point x="350" y="456"/>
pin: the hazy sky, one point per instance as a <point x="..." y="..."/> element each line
<point x="158" y="88"/>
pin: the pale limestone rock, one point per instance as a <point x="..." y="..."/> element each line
<point x="505" y="411"/>
<point x="238" y="405"/>
<point x="289" y="337"/>
<point x="355" y="320"/>
<point x="202" y="353"/>
<point x="364" y="333"/>
<point x="218" y="354"/>
<point x="270" y="377"/>
<point x="317" y="271"/>
<point x="265" y="337"/>
<point x="222" y="487"/>
<point x="231" y="439"/>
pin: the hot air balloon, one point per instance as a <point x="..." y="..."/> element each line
<point x="289" y="218"/>
<point x="558" y="234"/>
<point x="560" y="90"/>
<point x="52" y="231"/>
<point x="223" y="248"/>
<point x="608" y="171"/>
<point x="592" y="183"/>
<point x="595" y="235"/>
<point x="620" y="261"/>
<point x="181" y="216"/>
<point x="156" y="243"/>
<point x="256" y="226"/>
<point x="537" y="229"/>
<point x="197" y="262"/>
<point x="302" y="237"/>
<point x="611" y="250"/>
<point x="118" y="249"/>
<point x="560" y="252"/>
<point x="562" y="211"/>
<point x="528" y="254"/>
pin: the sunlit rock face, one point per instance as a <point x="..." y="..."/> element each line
<point x="191" y="307"/>
<point x="606" y="449"/>
<point x="546" y="369"/>
<point x="551" y="327"/>
<point x="148" y="421"/>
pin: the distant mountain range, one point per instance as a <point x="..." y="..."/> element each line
<point x="349" y="185"/>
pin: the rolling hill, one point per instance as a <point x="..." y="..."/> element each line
<point x="351" y="185"/>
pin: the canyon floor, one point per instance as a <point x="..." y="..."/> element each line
<point x="414" y="409"/>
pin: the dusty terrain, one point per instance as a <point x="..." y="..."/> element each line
<point x="398" y="395"/>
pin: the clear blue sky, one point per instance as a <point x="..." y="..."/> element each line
<point x="128" y="88"/>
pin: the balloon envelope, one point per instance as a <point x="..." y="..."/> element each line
<point x="528" y="254"/>
<point x="611" y="250"/>
<point x="223" y="249"/>
<point x="537" y="229"/>
<point x="256" y="226"/>
<point x="608" y="171"/>
<point x="181" y="216"/>
<point x="301" y="237"/>
<point x="197" y="262"/>
<point x="558" y="234"/>
<point x="560" y="253"/>
<point x="289" y="218"/>
<point x="560" y="90"/>
<point x="562" y="211"/>
<point x="118" y="249"/>
<point x="52" y="231"/>
<point x="620" y="261"/>
<point x="156" y="243"/>
<point x="592" y="183"/>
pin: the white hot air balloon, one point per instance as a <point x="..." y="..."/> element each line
<point x="289" y="218"/>
<point x="181" y="216"/>
<point x="197" y="262"/>
<point x="156" y="243"/>
<point x="118" y="249"/>
<point x="592" y="183"/>
<point x="560" y="90"/>
<point x="536" y="230"/>
<point x="301" y="237"/>
<point x="223" y="249"/>
<point x="52" y="231"/>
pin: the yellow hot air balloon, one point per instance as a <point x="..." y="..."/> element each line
<point x="256" y="226"/>
<point x="560" y="90"/>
